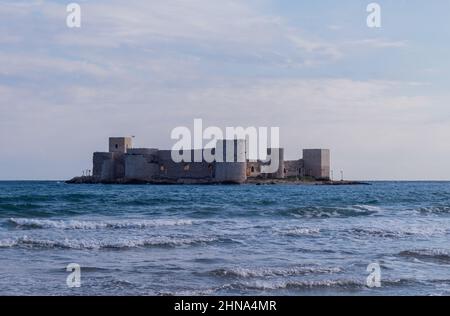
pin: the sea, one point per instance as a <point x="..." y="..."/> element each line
<point x="386" y="238"/>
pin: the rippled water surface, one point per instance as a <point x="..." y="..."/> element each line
<point x="225" y="240"/>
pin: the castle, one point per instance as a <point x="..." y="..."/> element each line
<point x="125" y="164"/>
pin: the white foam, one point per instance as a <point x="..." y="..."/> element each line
<point x="299" y="231"/>
<point x="265" y="272"/>
<point x="30" y="242"/>
<point x="277" y="285"/>
<point x="80" y="224"/>
<point x="399" y="231"/>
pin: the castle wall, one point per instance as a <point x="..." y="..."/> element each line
<point x="119" y="165"/>
<point x="141" y="164"/>
<point x="98" y="159"/>
<point x="275" y="153"/>
<point x="253" y="169"/>
<point x="108" y="166"/>
<point x="259" y="169"/>
<point x="143" y="151"/>
<point x="294" y="168"/>
<point x="140" y="167"/>
<point x="168" y="169"/>
<point x="107" y="173"/>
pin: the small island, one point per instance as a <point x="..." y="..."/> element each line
<point x="123" y="164"/>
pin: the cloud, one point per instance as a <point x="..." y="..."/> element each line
<point x="145" y="67"/>
<point x="379" y="43"/>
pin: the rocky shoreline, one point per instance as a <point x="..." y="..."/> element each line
<point x="254" y="181"/>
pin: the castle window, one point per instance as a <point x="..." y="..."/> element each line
<point x="285" y="171"/>
<point x="187" y="167"/>
<point x="117" y="146"/>
<point x="162" y="168"/>
<point x="253" y="169"/>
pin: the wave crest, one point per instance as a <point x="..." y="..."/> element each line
<point x="265" y="272"/>
<point x="29" y="242"/>
<point x="80" y="224"/>
<point x="327" y="211"/>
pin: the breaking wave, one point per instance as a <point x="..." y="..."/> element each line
<point x="79" y="224"/>
<point x="265" y="272"/>
<point x="434" y="210"/>
<point x="326" y="212"/>
<point x="349" y="284"/>
<point x="298" y="231"/>
<point x="398" y="233"/>
<point x="278" y="285"/>
<point x="29" y="242"/>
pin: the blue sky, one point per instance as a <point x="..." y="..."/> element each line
<point x="378" y="98"/>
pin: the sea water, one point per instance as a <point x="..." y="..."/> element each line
<point x="225" y="240"/>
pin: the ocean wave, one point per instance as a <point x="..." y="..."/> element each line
<point x="307" y="284"/>
<point x="298" y="231"/>
<point x="39" y="198"/>
<point x="156" y="200"/>
<point x="349" y="284"/>
<point x="199" y="292"/>
<point x="9" y="207"/>
<point x="271" y="285"/>
<point x="437" y="255"/>
<point x="30" y="242"/>
<point x="266" y="272"/>
<point x="404" y="232"/>
<point x="80" y="224"/>
<point x="326" y="212"/>
<point x="434" y="210"/>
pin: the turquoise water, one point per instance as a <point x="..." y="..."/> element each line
<point x="225" y="240"/>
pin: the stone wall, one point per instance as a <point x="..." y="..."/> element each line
<point x="169" y="169"/>
<point x="98" y="159"/>
<point x="294" y="168"/>
<point x="140" y="167"/>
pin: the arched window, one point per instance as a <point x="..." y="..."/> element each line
<point x="162" y="168"/>
<point x="187" y="167"/>
<point x="253" y="169"/>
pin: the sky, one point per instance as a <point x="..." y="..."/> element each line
<point x="377" y="97"/>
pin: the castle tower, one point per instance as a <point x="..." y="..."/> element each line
<point x="120" y="144"/>
<point x="231" y="162"/>
<point x="317" y="163"/>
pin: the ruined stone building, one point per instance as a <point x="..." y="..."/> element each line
<point x="123" y="163"/>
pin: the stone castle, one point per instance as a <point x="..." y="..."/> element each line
<point x="125" y="164"/>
